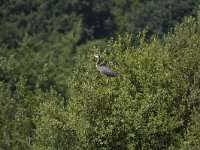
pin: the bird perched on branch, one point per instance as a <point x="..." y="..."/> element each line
<point x="103" y="69"/>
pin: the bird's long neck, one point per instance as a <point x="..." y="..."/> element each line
<point x="98" y="61"/>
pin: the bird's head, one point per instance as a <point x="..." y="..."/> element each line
<point x="97" y="56"/>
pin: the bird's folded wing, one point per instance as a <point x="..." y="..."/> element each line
<point x="107" y="71"/>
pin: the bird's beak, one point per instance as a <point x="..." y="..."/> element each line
<point x="96" y="56"/>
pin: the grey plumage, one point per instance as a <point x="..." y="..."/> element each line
<point x="103" y="69"/>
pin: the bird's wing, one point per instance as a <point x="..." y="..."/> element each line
<point x="107" y="71"/>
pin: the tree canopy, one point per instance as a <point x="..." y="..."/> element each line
<point x="52" y="96"/>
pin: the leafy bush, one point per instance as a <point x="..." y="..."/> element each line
<point x="151" y="105"/>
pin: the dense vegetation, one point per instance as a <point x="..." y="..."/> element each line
<point x="52" y="97"/>
<point x="81" y="21"/>
<point x="154" y="104"/>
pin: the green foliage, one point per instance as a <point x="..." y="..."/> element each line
<point x="58" y="128"/>
<point x="153" y="104"/>
<point x="25" y="78"/>
<point x="95" y="19"/>
<point x="51" y="100"/>
<point x="17" y="106"/>
<point x="159" y="16"/>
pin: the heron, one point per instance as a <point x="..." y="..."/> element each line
<point x="103" y="69"/>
